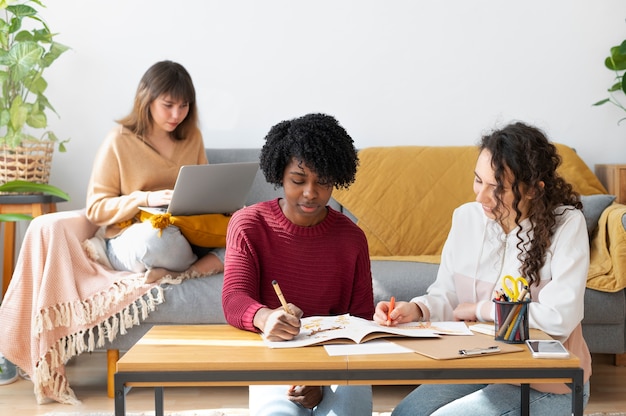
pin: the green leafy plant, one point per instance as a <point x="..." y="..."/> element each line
<point x="616" y="62"/>
<point x="25" y="187"/>
<point x="24" y="55"/>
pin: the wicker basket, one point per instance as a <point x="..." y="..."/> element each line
<point x="29" y="162"/>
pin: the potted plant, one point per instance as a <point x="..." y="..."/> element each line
<point x="616" y="62"/>
<point x="27" y="48"/>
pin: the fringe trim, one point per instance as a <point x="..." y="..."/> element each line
<point x="48" y="381"/>
<point x="168" y="279"/>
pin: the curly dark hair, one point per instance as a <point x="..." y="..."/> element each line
<point x="526" y="153"/>
<point x="318" y="141"/>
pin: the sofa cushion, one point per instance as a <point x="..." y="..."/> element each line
<point x="593" y="206"/>
<point x="576" y="172"/>
<point x="435" y="180"/>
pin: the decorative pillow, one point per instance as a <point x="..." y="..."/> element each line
<point x="593" y="206"/>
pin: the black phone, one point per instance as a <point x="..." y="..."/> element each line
<point x="547" y="348"/>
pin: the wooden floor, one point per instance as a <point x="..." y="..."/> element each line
<point x="87" y="375"/>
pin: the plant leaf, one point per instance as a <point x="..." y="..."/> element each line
<point x="19" y="112"/>
<point x="25" y="56"/>
<point x="22" y="10"/>
<point x="20" y="186"/>
<point x="14" y="217"/>
<point x="616" y="61"/>
<point x="616" y="87"/>
<point x="56" y="49"/>
<point x="606" y="100"/>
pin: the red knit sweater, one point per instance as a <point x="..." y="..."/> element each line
<point x="324" y="269"/>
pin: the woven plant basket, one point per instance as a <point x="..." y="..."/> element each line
<point x="29" y="162"/>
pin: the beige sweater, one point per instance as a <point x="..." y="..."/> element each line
<point x="126" y="170"/>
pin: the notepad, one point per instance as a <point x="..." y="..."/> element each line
<point x="487" y="329"/>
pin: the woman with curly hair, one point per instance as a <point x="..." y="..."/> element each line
<point x="526" y="221"/>
<point x="319" y="257"/>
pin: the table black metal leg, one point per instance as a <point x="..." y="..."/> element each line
<point x="577" y="387"/>
<point x="525" y="400"/>
<point x="120" y="397"/>
<point x="158" y="401"/>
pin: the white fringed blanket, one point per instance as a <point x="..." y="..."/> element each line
<point x="60" y="303"/>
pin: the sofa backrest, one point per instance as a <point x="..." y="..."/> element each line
<point x="404" y="196"/>
<point x="261" y="190"/>
<point x="415" y="189"/>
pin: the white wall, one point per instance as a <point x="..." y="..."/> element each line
<point x="423" y="72"/>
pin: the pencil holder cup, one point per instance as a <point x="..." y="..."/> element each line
<point x="511" y="323"/>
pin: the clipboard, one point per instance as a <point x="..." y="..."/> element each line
<point x="447" y="348"/>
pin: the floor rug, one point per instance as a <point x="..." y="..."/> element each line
<point x="208" y="412"/>
<point x="230" y="412"/>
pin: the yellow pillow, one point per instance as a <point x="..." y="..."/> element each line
<point x="207" y="230"/>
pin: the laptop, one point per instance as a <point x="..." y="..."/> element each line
<point x="220" y="188"/>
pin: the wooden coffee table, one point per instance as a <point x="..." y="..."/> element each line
<point x="220" y="355"/>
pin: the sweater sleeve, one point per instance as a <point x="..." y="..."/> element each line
<point x="558" y="302"/>
<point x="106" y="203"/>
<point x="441" y="298"/>
<point x="241" y="275"/>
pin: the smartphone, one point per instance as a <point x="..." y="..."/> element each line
<point x="547" y="348"/>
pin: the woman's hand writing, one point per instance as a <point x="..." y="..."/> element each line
<point x="278" y="325"/>
<point x="402" y="312"/>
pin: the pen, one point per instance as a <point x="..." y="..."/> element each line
<point x="283" y="302"/>
<point x="392" y="305"/>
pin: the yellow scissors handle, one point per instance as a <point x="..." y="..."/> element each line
<point x="513" y="286"/>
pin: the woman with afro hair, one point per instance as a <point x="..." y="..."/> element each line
<point x="319" y="257"/>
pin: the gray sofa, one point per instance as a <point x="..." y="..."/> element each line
<point x="198" y="301"/>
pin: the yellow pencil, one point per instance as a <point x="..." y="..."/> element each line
<point x="283" y="302"/>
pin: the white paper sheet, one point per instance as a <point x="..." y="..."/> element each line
<point x="378" y="346"/>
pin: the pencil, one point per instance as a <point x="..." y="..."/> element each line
<point x="392" y="305"/>
<point x="283" y="302"/>
<point x="505" y="325"/>
<point x="517" y="326"/>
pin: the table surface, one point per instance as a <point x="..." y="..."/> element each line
<point x="203" y="355"/>
<point x="224" y="348"/>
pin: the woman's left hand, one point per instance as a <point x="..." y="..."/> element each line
<point x="465" y="312"/>
<point x="306" y="396"/>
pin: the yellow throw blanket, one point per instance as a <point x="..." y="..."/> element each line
<point x="404" y="196"/>
<point x="607" y="271"/>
